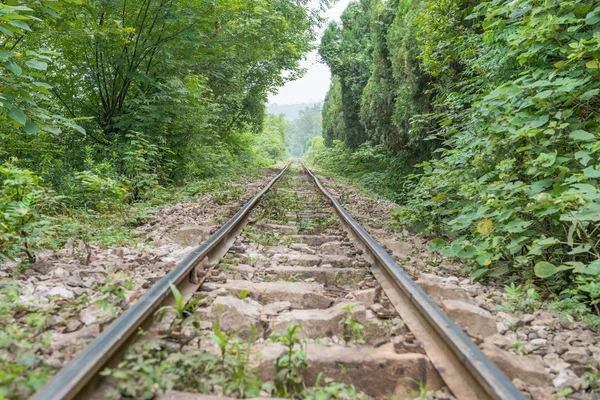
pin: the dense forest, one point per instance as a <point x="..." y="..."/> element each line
<point x="108" y="103"/>
<point x="303" y="128"/>
<point x="481" y="120"/>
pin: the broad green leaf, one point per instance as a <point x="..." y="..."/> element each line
<point x="588" y="212"/>
<point x="593" y="17"/>
<point x="547" y="242"/>
<point x="479" y="274"/>
<point x="541" y="120"/>
<point x="484" y="259"/>
<point x="499" y="271"/>
<point x="31" y="127"/>
<point x="485" y="227"/>
<point x="576" y="266"/>
<point x="544" y="269"/>
<point x="592" y="269"/>
<point x="36" y="64"/>
<point x="582" y="135"/>
<point x="437" y="244"/>
<point x="580" y="249"/>
<point x="17" y="115"/>
<point x="13" y="67"/>
<point x="591" y="172"/>
<point x="50" y="129"/>
<point x="77" y="127"/>
<point x="20" y="24"/>
<point x="594" y="64"/>
<point x="544" y="95"/>
<point x="589" y="94"/>
<point x="467" y="251"/>
<point x="583" y="156"/>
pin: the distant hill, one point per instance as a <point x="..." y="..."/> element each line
<point x="290" y="110"/>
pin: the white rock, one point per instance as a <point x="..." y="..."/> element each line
<point x="450" y="279"/>
<point x="502" y="327"/>
<point x="60" y="272"/>
<point x="563" y="377"/>
<point x="62" y="292"/>
<point x="539" y="342"/>
<point x="93" y="314"/>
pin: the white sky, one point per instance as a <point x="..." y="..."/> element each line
<point x="313" y="87"/>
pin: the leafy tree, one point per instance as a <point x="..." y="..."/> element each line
<point x="509" y="94"/>
<point x="347" y="49"/>
<point x="305" y="127"/>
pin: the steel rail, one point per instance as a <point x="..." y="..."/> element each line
<point x="80" y="373"/>
<point x="462" y="366"/>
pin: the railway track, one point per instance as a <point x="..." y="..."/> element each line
<point x="293" y="292"/>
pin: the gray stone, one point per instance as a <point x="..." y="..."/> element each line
<point x="378" y="371"/>
<point x="193" y="236"/>
<point x="322" y="274"/>
<point x="564" y="378"/>
<point x="285" y="229"/>
<point x="60" y="273"/>
<point x="94" y="315"/>
<point x="303" y="247"/>
<point x="61" y="292"/>
<point x="338" y="261"/>
<point x="439" y="291"/>
<point x="307" y="260"/>
<point x="315" y="240"/>
<point x="316" y="323"/>
<point x="578" y="355"/>
<point x="398" y="248"/>
<point x="60" y="341"/>
<point x="515" y="366"/>
<point x="508" y="319"/>
<point x="235" y="315"/>
<point x="476" y="321"/>
<point x="72" y="325"/>
<point x="275" y="308"/>
<point x="301" y="295"/>
<point x="367" y="296"/>
<point x="332" y="248"/>
<point x="177" y="395"/>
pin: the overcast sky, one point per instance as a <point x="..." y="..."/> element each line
<point x="312" y="88"/>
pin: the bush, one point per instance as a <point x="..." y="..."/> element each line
<point x="22" y="228"/>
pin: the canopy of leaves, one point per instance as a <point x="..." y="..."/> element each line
<point x="502" y="100"/>
<point x="307" y="126"/>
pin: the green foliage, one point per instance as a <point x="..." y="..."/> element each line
<point x="305" y="127"/>
<point x="22" y="340"/>
<point x="509" y="94"/>
<point x="332" y="391"/>
<point x="102" y="193"/>
<point x="347" y="49"/>
<point x="291" y="364"/>
<point x="353" y="329"/>
<point x="184" y="314"/>
<point x="22" y="228"/>
<point x="269" y="146"/>
<point x="143" y="371"/>
<point x="517" y="179"/>
<point x="168" y="93"/>
<point x="517" y="299"/>
<point x="371" y="167"/>
<point x="25" y="96"/>
<point x="591" y="379"/>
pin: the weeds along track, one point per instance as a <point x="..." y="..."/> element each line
<point x="289" y="299"/>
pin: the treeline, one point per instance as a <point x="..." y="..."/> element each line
<point x="106" y="102"/>
<point x="302" y="129"/>
<point x="482" y="120"/>
<point x="155" y="87"/>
